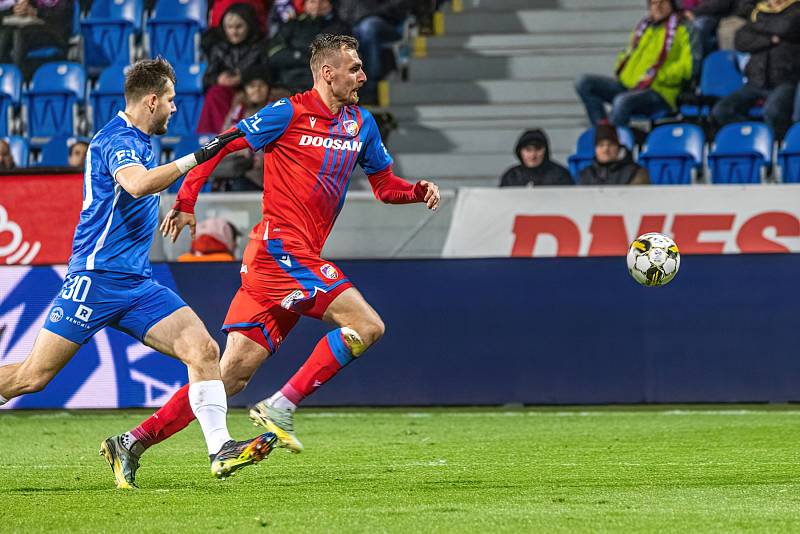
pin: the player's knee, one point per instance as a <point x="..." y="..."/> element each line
<point x="364" y="335"/>
<point x="31" y="381"/>
<point x="234" y="383"/>
<point x="204" y="353"/>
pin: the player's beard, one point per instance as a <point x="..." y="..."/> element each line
<point x="160" y="125"/>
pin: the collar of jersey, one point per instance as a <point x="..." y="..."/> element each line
<point x="129" y="124"/>
<point x="324" y="109"/>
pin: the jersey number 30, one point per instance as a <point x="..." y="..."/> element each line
<point x="77" y="288"/>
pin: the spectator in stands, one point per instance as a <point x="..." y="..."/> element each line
<point x="215" y="240"/>
<point x="772" y="38"/>
<point x="231" y="49"/>
<point x="6" y="157"/>
<point x="28" y="25"/>
<point x="374" y="23"/>
<point x="649" y="74"/>
<point x="535" y="168"/>
<point x="613" y="164"/>
<point x="706" y="16"/>
<point x="77" y="153"/>
<point x="289" y="49"/>
<point x="220" y="7"/>
<point x="255" y="95"/>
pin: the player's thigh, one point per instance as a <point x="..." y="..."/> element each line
<point x="350" y="309"/>
<point x="49" y="355"/>
<point x="182" y="335"/>
<point x="160" y="319"/>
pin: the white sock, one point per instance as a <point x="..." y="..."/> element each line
<point x="3" y="400"/>
<point x="280" y="401"/>
<point x="210" y="405"/>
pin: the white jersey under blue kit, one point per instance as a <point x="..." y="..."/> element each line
<point x="109" y="279"/>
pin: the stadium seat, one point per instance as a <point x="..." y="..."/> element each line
<point x="10" y="92"/>
<point x="108" y="96"/>
<point x="789" y="156"/>
<point x="584" y="149"/>
<point x="672" y="152"/>
<point x="174" y="30"/>
<point x="19" y="149"/>
<point x="742" y="153"/>
<point x="109" y="32"/>
<point x="54" y="153"/>
<point x="56" y="91"/>
<point x="188" y="98"/>
<point x="719" y="78"/>
<point x="186" y="145"/>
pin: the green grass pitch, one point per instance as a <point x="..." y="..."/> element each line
<point x="664" y="469"/>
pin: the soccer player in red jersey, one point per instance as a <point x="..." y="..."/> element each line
<point x="312" y="141"/>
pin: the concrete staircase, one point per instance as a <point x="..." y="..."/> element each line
<point x="497" y="68"/>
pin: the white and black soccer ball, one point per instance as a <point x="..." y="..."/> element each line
<point x="653" y="259"/>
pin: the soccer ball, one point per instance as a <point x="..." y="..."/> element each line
<point x="653" y="259"/>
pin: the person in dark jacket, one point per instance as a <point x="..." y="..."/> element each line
<point x="38" y="24"/>
<point x="772" y="38"/>
<point x="613" y="164"/>
<point x="289" y="49"/>
<point x="706" y="16"/>
<point x="375" y="23"/>
<point x="535" y="169"/>
<point x="234" y="46"/>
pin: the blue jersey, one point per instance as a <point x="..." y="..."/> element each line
<point x="115" y="231"/>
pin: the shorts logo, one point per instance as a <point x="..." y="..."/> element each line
<point x="56" y="314"/>
<point x="329" y="271"/>
<point x="289" y="300"/>
<point x="243" y="269"/>
<point x="351" y="127"/>
<point x="84" y="312"/>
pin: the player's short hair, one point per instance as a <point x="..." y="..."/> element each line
<point x="148" y="76"/>
<point x="325" y="45"/>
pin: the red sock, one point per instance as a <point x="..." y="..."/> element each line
<point x="170" y="419"/>
<point x="328" y="357"/>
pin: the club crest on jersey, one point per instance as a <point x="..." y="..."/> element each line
<point x="329" y="271"/>
<point x="56" y="314"/>
<point x="351" y="127"/>
<point x="329" y="142"/>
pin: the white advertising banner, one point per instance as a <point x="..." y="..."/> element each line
<point x="596" y="221"/>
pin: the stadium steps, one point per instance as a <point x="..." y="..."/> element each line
<point x="501" y="67"/>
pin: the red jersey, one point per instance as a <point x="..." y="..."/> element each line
<point x="309" y="155"/>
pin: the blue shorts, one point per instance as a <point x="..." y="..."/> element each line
<point x="91" y="300"/>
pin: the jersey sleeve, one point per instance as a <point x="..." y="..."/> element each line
<point x="123" y="150"/>
<point x="374" y="157"/>
<point x="268" y="124"/>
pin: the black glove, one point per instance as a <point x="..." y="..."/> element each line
<point x="212" y="148"/>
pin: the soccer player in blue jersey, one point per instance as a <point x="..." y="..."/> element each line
<point x="109" y="281"/>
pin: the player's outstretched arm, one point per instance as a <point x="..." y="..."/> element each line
<point x="392" y="189"/>
<point x="139" y="181"/>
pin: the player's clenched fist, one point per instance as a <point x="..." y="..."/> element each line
<point x="432" y="196"/>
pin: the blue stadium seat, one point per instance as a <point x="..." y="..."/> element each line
<point x="584" y="149"/>
<point x="672" y="152"/>
<point x="174" y="30"/>
<point x="56" y="91"/>
<point x="108" y="96"/>
<point x="719" y="78"/>
<point x="19" y="149"/>
<point x="10" y="93"/>
<point x="188" y="98"/>
<point x="186" y="145"/>
<point x="109" y="32"/>
<point x="789" y="156"/>
<point x="742" y="153"/>
<point x="54" y="153"/>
